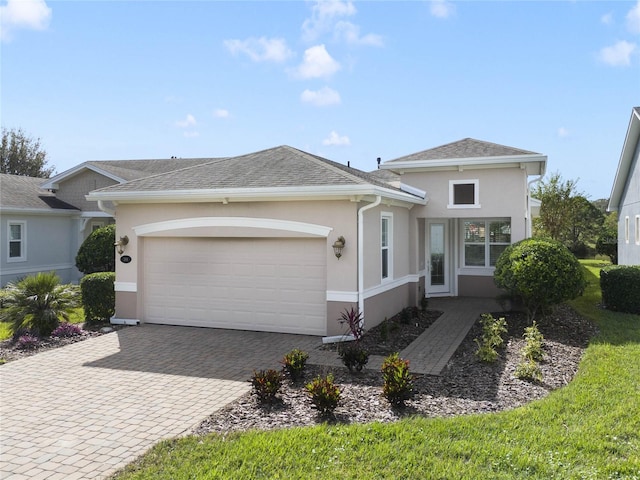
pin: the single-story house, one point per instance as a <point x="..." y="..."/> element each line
<point x="625" y="194"/>
<point x="36" y="230"/>
<point x="282" y="240"/>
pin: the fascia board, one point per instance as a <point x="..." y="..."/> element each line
<point x="254" y="194"/>
<point x="477" y="162"/>
<point x="54" y="182"/>
<point x="39" y="211"/>
<point x="624" y="165"/>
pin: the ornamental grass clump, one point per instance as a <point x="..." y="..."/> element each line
<point x="294" y="363"/>
<point x="491" y="338"/>
<point x="324" y="394"/>
<point x="398" y="381"/>
<point x="266" y="385"/>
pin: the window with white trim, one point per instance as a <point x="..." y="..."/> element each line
<point x="626" y="229"/>
<point x="464" y="194"/>
<point x="484" y="241"/>
<point x="17" y="249"/>
<point x="96" y="225"/>
<point x="386" y="245"/>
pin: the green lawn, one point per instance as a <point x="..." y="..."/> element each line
<point x="589" y="429"/>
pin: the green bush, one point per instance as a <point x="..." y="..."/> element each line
<point x="38" y="302"/>
<point x="540" y="272"/>
<point x="528" y="370"/>
<point x="620" y="285"/>
<point x="533" y="347"/>
<point x="97" y="253"/>
<point x="266" y="384"/>
<point x="294" y="363"/>
<point x="325" y="394"/>
<point x="354" y="356"/>
<point x="398" y="381"/>
<point x="98" y="296"/>
<point x="491" y="338"/>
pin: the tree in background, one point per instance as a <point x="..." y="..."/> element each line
<point x="22" y="155"/>
<point x="607" y="242"/>
<point x="566" y="215"/>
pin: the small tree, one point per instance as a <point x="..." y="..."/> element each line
<point x="38" y="302"/>
<point x="607" y="243"/>
<point x="97" y="253"/>
<point x="22" y="155"/>
<point x="540" y="272"/>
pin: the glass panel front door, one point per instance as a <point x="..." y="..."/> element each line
<point x="438" y="271"/>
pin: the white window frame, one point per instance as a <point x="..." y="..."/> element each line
<point x="637" y="229"/>
<point x="626" y="229"/>
<point x="96" y="225"/>
<point x="23" y="241"/>
<point x="487" y="242"/>
<point x="388" y="217"/>
<point x="476" y="193"/>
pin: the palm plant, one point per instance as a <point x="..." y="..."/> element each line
<point x="38" y="302"/>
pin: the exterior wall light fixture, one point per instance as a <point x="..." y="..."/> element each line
<point x="338" y="246"/>
<point x="121" y="244"/>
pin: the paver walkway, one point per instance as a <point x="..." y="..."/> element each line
<point x="85" y="410"/>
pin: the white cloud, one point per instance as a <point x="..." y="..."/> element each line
<point x="189" y="121"/>
<point x="261" y="49"/>
<point x="563" y="132"/>
<point x="337" y="140"/>
<point x="317" y="63"/>
<point x="323" y="15"/>
<point x="442" y="8"/>
<point x="321" y="98"/>
<point x="220" y="113"/>
<point x="29" y="14"/>
<point x="618" y="55"/>
<point x="350" y="33"/>
<point x="607" y="18"/>
<point x="633" y="19"/>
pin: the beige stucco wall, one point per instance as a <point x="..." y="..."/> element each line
<point x="387" y="304"/>
<point x="73" y="190"/>
<point x="341" y="216"/>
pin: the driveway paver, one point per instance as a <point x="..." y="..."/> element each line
<point x="87" y="409"/>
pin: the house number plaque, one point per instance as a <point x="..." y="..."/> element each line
<point x="125" y="259"/>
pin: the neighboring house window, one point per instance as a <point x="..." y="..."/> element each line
<point x="17" y="244"/>
<point x="626" y="229"/>
<point x="484" y="241"/>
<point x="386" y="235"/>
<point x="96" y="225"/>
<point x="637" y="229"/>
<point x="464" y="194"/>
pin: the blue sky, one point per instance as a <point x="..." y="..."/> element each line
<point x="350" y="81"/>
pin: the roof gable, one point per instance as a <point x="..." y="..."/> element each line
<point x="19" y="192"/>
<point x="624" y="171"/>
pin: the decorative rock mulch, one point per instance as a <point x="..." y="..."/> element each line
<point x="466" y="386"/>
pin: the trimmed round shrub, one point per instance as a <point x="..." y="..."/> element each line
<point x="620" y="285"/>
<point x="97" y="253"/>
<point x="541" y="273"/>
<point x="98" y="296"/>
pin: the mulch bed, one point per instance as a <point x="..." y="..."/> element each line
<point x="466" y="386"/>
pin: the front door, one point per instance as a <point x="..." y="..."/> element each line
<point x="437" y="257"/>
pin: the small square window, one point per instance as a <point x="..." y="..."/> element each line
<point x="463" y="194"/>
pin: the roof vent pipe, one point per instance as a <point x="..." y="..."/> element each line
<point x="379" y="159"/>
<point x="348" y="164"/>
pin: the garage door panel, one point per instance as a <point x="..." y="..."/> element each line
<point x="250" y="284"/>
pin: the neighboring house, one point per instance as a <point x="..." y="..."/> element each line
<point x="36" y="230"/>
<point x="251" y="242"/>
<point x="625" y="195"/>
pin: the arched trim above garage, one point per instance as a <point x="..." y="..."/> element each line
<point x="232" y="226"/>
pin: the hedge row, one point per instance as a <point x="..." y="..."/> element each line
<point x="620" y="285"/>
<point x="98" y="296"/>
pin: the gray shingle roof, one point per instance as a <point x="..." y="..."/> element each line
<point x="465" y="148"/>
<point x="24" y="192"/>
<point x="134" y="169"/>
<point x="277" y="167"/>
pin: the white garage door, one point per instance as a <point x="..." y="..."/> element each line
<point x="265" y="284"/>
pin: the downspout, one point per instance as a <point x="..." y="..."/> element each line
<point x="105" y="209"/>
<point x="529" y="226"/>
<point x="361" y="252"/>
